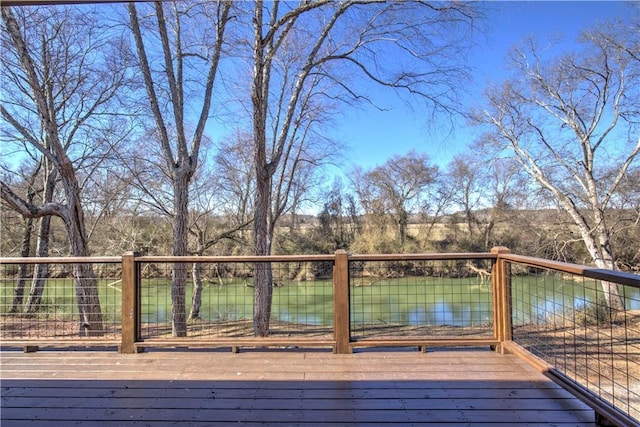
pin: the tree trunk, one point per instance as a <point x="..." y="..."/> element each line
<point x="40" y="271"/>
<point x="602" y="256"/>
<point x="263" y="285"/>
<point x="470" y="221"/>
<point x="262" y="288"/>
<point x="88" y="301"/>
<point x="196" y="299"/>
<point x="606" y="260"/>
<point x="403" y="221"/>
<point x="87" y="297"/>
<point x="178" y="300"/>
<point x="180" y="230"/>
<point x="23" y="271"/>
<point x="263" y="297"/>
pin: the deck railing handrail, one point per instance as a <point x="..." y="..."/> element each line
<point x="239" y="258"/>
<point x="342" y="342"/>
<point x="576" y="343"/>
<point x="130" y="276"/>
<point x="424" y="256"/>
<point x="253" y="258"/>
<point x="62" y="260"/>
<point x="624" y="278"/>
<point x="620" y="277"/>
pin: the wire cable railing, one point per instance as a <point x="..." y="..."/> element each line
<point x="581" y="325"/>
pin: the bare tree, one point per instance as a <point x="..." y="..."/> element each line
<point x="234" y="162"/>
<point x="397" y="188"/>
<point x="191" y="38"/>
<point x="61" y="74"/>
<point x="337" y="221"/>
<point x="216" y="216"/>
<point x="327" y="34"/>
<point x="572" y="123"/>
<point x="306" y="151"/>
<point x="485" y="190"/>
<point x="506" y="190"/>
<point x="464" y="182"/>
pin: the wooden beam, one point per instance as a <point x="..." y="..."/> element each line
<point x="341" y="303"/>
<point x="130" y="303"/>
<point x="501" y="296"/>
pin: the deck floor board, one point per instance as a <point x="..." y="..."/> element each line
<point x="268" y="388"/>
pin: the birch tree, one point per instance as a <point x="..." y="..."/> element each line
<point x="572" y="121"/>
<point x="60" y="74"/>
<point x="191" y="37"/>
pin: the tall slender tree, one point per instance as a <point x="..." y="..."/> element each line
<point x="335" y="40"/>
<point x="191" y="37"/>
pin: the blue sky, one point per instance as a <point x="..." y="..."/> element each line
<point x="373" y="136"/>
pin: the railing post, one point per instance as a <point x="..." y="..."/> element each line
<point x="501" y="297"/>
<point x="130" y="303"/>
<point x="341" y="303"/>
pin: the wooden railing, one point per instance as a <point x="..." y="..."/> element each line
<point x="341" y="337"/>
<point x="551" y="314"/>
<point x="348" y="279"/>
<point x="574" y="334"/>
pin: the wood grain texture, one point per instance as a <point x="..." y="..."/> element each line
<point x="267" y="388"/>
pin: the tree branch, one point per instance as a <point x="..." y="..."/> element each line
<point x="29" y="210"/>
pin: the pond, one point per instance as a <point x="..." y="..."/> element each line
<point x="406" y="301"/>
<point x="540" y="298"/>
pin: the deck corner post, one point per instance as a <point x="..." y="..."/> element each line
<point x="130" y="303"/>
<point x="341" y="304"/>
<point x="500" y="281"/>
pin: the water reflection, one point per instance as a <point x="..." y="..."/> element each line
<point x="458" y="303"/>
<point x="542" y="299"/>
<point x="443" y="313"/>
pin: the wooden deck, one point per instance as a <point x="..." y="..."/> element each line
<point x="280" y="387"/>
